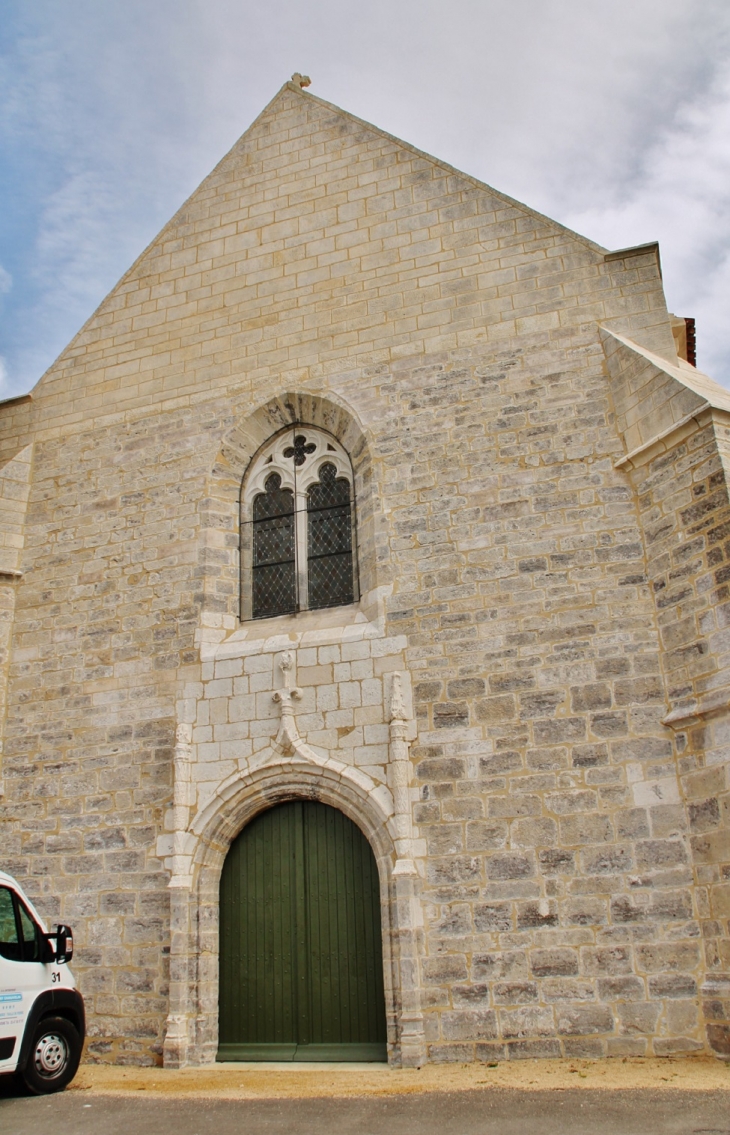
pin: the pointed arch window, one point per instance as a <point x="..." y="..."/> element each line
<point x="298" y="548"/>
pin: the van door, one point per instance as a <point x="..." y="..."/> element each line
<point x="22" y="973"/>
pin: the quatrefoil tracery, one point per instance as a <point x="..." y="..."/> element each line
<point x="300" y="449"/>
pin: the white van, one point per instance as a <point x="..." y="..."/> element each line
<point x="42" y="1020"/>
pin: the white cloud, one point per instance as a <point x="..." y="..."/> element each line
<point x="610" y="117"/>
<point x="6" y="281"/>
<point x="3" y="374"/>
<point x="681" y="195"/>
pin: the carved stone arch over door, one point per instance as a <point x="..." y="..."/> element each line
<point x="192" y="1026"/>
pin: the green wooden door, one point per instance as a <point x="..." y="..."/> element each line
<point x="301" y="972"/>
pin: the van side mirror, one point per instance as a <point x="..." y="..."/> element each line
<point x="64" y="945"/>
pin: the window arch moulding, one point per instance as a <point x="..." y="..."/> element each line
<point x="298" y="527"/>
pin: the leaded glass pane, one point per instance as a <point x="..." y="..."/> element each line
<point x="329" y="551"/>
<point x="274" y="573"/>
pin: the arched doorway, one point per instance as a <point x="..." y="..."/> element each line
<point x="301" y="973"/>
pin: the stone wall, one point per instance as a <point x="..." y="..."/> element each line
<point x="450" y="338"/>
<point x="558" y="877"/>
<point x="686" y="522"/>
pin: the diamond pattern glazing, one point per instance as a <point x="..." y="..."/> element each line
<point x="329" y="551"/>
<point x="274" y="571"/>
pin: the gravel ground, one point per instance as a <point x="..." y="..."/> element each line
<point x="302" y="1081"/>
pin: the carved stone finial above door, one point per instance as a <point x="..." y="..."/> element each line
<point x="288" y="735"/>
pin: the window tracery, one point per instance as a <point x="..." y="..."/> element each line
<point x="297" y="526"/>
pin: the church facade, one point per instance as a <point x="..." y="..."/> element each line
<point x="365" y="567"/>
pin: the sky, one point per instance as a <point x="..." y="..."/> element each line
<point x="612" y="116"/>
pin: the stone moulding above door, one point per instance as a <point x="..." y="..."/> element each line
<point x="288" y="749"/>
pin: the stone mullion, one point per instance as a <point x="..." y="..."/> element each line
<point x="301" y="564"/>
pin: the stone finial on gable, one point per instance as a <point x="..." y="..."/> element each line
<point x="301" y="80"/>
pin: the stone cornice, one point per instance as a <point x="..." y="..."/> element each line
<point x="650" y="249"/>
<point x="671" y="437"/>
<point x="711" y="704"/>
<point x="16" y="400"/>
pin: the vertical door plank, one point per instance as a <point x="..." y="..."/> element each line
<point x="345" y="946"/>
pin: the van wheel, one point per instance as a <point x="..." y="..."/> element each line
<point x="53" y="1058"/>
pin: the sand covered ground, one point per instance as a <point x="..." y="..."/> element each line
<point x="292" y="1081"/>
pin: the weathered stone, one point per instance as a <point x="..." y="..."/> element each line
<point x="586" y="829"/>
<point x="509" y="866"/>
<point x="508" y="964"/>
<point x="672" y="985"/>
<point x="450" y="715"/>
<point x="514" y="992"/>
<point x="574" y="1020"/>
<point x="592" y="696"/>
<point x="607" y="959"/>
<point x="495" y="709"/>
<point x="440" y="971"/>
<point x="638" y="1017"/>
<point x="533" y="1050"/>
<point x="621" y="989"/>
<point x="558" y="731"/>
<point x="540" y="832"/>
<point x="607" y="862"/>
<point x="556" y="861"/>
<point x="531" y="915"/>
<point x="659" y="854"/>
<point x="530" y="1021"/>
<point x="440" y="769"/>
<point x="554" y="963"/>
<point x="456" y="869"/>
<point x="492" y="916"/>
<point x="675" y="956"/>
<point x="465" y="688"/>
<point x="485" y="835"/>
<point x="474" y="1025"/>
